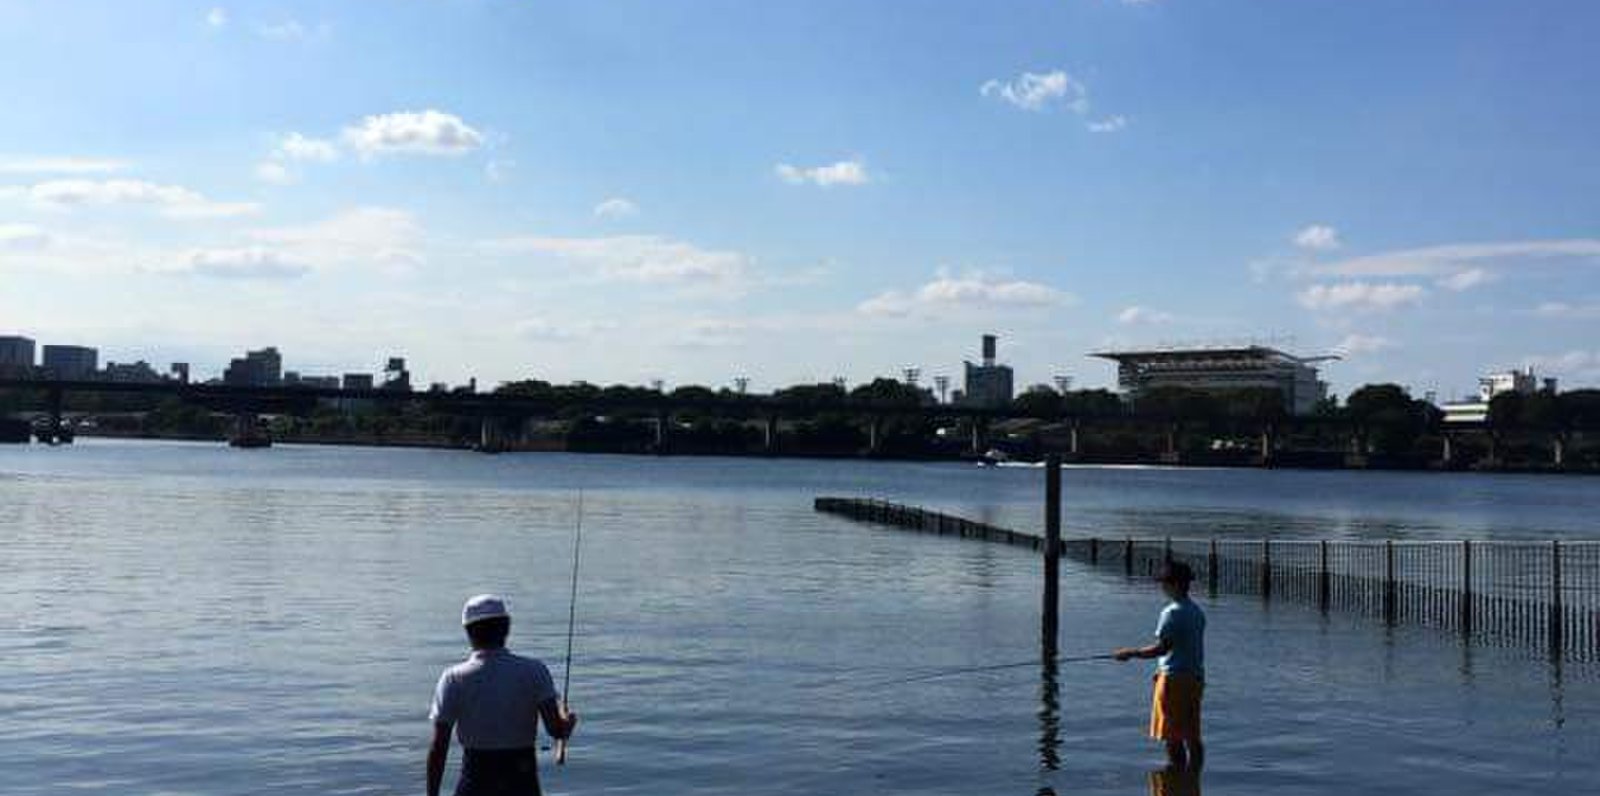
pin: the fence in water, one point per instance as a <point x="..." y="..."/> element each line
<point x="1543" y="596"/>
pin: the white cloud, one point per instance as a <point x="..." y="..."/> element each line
<point x="710" y="333"/>
<point x="23" y="237"/>
<point x="1143" y="315"/>
<point x="275" y="173"/>
<point x="59" y="165"/>
<point x="295" y="146"/>
<point x="217" y="17"/>
<point x="973" y="290"/>
<point x="1358" y="344"/>
<point x="547" y="330"/>
<point x="428" y="132"/>
<point x="293" y="30"/>
<point x="1466" y="280"/>
<point x="362" y="236"/>
<point x="175" y="201"/>
<point x="615" y="208"/>
<point x="1317" y="237"/>
<point x="1360" y="296"/>
<point x="1452" y="258"/>
<point x="499" y="170"/>
<point x="645" y="259"/>
<point x="1110" y="124"/>
<point x="844" y="172"/>
<point x="243" y="263"/>
<point x="1035" y="92"/>
<point x="1567" y="311"/>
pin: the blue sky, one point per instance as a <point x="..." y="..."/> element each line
<point x="693" y="191"/>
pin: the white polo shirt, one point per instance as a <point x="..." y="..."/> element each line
<point x="493" y="699"/>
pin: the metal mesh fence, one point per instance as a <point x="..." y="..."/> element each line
<point x="1543" y="596"/>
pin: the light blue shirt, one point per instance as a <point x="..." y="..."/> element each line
<point x="1183" y="627"/>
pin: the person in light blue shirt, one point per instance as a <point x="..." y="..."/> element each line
<point x="1180" y="653"/>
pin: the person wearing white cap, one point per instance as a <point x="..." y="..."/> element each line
<point x="494" y="701"/>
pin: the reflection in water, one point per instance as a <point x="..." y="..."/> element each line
<point x="1049" y="714"/>
<point x="1174" y="782"/>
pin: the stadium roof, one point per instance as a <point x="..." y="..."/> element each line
<point x="1232" y="352"/>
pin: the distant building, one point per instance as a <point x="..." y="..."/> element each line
<point x="70" y="362"/>
<point x="179" y="371"/>
<point x="988" y="385"/>
<point x="358" y="381"/>
<point x="1523" y="382"/>
<point x="395" y="375"/>
<point x="16" y="356"/>
<point x="262" y="368"/>
<point x="131" y="373"/>
<point x="320" y="382"/>
<point x="1222" y="369"/>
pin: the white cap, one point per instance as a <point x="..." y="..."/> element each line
<point x="484" y="606"/>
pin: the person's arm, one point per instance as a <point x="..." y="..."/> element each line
<point x="558" y="720"/>
<point x="438" y="752"/>
<point x="1155" y="650"/>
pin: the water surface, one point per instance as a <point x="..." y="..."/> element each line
<point x="186" y="619"/>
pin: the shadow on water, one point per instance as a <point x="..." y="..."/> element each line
<point x="1169" y="782"/>
<point x="1049" y="716"/>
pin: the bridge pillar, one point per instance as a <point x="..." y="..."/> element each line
<point x="875" y="435"/>
<point x="1073" y="446"/>
<point x="980" y="436"/>
<point x="1558" y="450"/>
<point x="56" y="432"/>
<point x="1448" y="454"/>
<point x="1268" y="443"/>
<point x="1171" y="455"/>
<point x="490" y="435"/>
<point x="769" y="434"/>
<point x="662" y="431"/>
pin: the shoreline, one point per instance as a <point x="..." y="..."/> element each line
<point x="1200" y="460"/>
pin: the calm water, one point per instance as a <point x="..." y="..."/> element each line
<point x="185" y="619"/>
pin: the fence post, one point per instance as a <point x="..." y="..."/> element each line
<point x="1212" y="562"/>
<point x="1127" y="557"/>
<point x="1388" y="582"/>
<point x="1556" y="613"/>
<point x="1466" y="588"/>
<point x="1324" y="580"/>
<point x="1266" y="569"/>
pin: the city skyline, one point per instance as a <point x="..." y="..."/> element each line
<point x="714" y="191"/>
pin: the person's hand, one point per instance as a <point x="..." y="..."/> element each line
<point x="1122" y="654"/>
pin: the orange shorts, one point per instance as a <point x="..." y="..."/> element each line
<point x="1175" y="707"/>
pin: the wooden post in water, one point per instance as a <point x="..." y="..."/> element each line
<point x="1052" y="556"/>
<point x="1556" y="613"/>
<point x="1388" y="582"/>
<point x="1212" y="561"/>
<point x="1266" y="569"/>
<point x="1324" y="578"/>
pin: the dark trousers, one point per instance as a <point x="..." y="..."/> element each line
<point x="499" y="772"/>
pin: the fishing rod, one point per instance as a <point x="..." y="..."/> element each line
<point x="572" y="620"/>
<point x="957" y="671"/>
